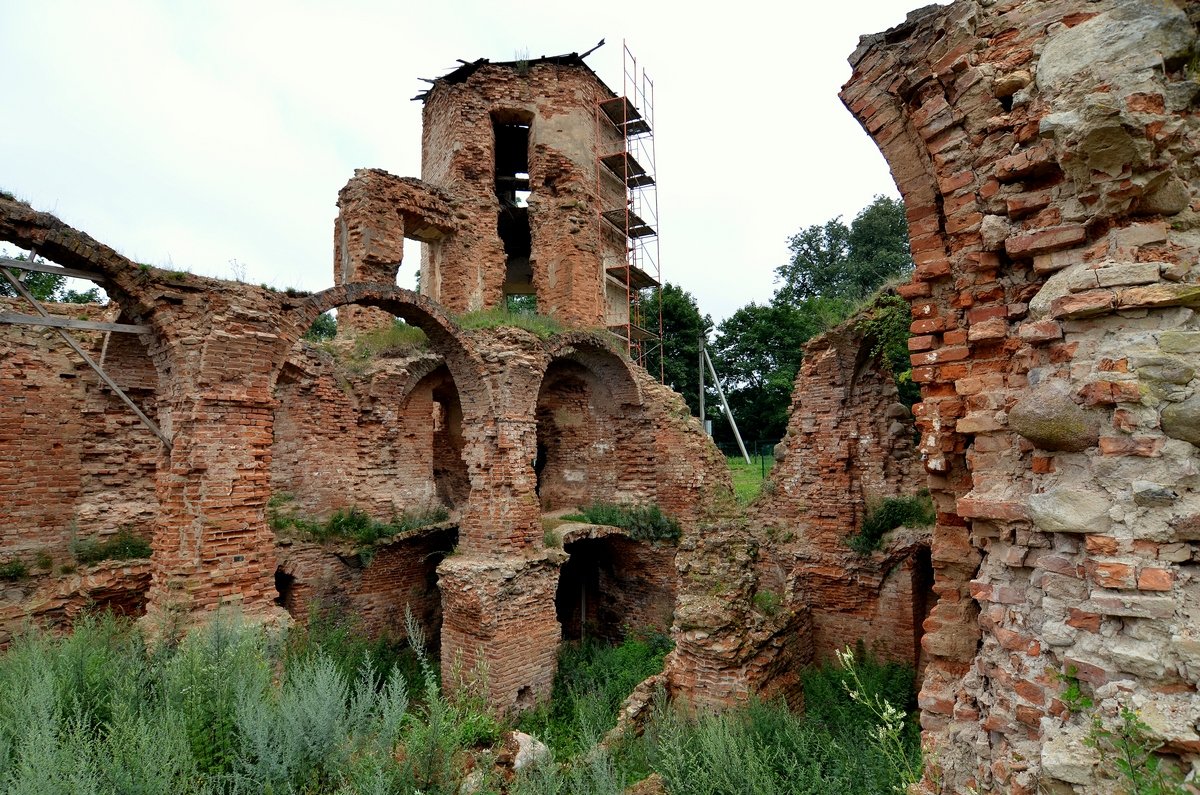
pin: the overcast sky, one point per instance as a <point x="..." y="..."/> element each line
<point x="213" y="137"/>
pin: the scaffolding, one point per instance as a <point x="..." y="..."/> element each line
<point x="628" y="214"/>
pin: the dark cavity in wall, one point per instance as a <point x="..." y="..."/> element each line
<point x="449" y="469"/>
<point x="578" y="601"/>
<point x="283" y="589"/>
<point x="512" y="190"/>
<point x="613" y="585"/>
<point x="924" y="599"/>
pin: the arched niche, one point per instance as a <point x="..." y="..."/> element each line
<point x="591" y="443"/>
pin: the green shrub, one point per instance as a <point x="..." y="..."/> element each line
<point x="767" y="602"/>
<point x="642" y="522"/>
<point x="44" y="560"/>
<point x="893" y="512"/>
<point x="592" y="681"/>
<point x="337" y="634"/>
<point x="123" y="545"/>
<point x="884" y="323"/>
<point x="14" y="570"/>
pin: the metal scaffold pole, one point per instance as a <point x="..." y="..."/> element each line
<point x="725" y="404"/>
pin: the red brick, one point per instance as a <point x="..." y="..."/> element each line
<point x="1043" y="241"/>
<point x="1151" y="579"/>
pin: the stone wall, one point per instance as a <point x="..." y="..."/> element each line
<point x="1045" y="152"/>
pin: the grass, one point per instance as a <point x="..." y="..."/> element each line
<point x="890" y="513"/>
<point x="229" y="710"/>
<point x="541" y="325"/>
<point x="349" y="524"/>
<point x="123" y="545"/>
<point x="748" y="478"/>
<point x="641" y="522"/>
<point x="399" y="340"/>
<point x="759" y="748"/>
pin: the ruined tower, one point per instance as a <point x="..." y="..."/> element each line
<point x="536" y="193"/>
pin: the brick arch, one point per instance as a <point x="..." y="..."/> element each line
<point x="445" y="337"/>
<point x="129" y="285"/>
<point x="611" y="367"/>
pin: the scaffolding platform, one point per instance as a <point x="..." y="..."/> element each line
<point x="635" y="333"/>
<point x="625" y="167"/>
<point x="635" y="277"/>
<point x="629" y="222"/>
<point x="625" y="116"/>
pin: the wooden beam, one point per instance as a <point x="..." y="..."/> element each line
<point x="67" y="338"/>
<point x="41" y="267"/>
<point x="68" y="322"/>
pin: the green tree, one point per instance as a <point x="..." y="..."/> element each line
<point x="323" y="328"/>
<point x="682" y="326"/>
<point x="818" y="262"/>
<point x="757" y="353"/>
<point x="834" y="260"/>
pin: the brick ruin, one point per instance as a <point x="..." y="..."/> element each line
<point x="1044" y="153"/>
<point x="499" y="427"/>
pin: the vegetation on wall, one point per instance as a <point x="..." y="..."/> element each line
<point x="541" y="325"/>
<point x="890" y="513"/>
<point x="123" y="545"/>
<point x="348" y="524"/>
<point x="641" y="522"/>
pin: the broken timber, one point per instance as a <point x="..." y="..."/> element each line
<point x="67" y="338"/>
<point x="69" y="322"/>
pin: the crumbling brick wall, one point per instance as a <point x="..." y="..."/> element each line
<point x="848" y="445"/>
<point x="371" y="592"/>
<point x="231" y="369"/>
<point x="1045" y="152"/>
<point x="466" y="270"/>
<point x="613" y="586"/>
<point x="79" y="463"/>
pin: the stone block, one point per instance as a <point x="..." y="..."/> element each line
<point x="1051" y="420"/>
<point x="1070" y="510"/>
<point x="1127" y="273"/>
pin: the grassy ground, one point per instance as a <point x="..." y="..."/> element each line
<point x="234" y="710"/>
<point x="748" y="480"/>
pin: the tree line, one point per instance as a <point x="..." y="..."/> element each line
<point x="834" y="270"/>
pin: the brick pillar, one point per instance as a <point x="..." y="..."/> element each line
<point x="368" y="245"/>
<point x="503" y="513"/>
<point x="212" y="547"/>
<point x="499" y="611"/>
